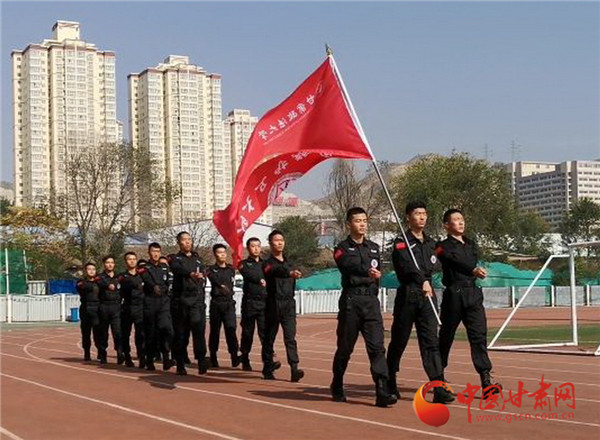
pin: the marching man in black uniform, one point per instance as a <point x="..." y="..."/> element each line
<point x="359" y="262"/>
<point x="412" y="304"/>
<point x="463" y="300"/>
<point x="187" y="305"/>
<point x="157" y="308"/>
<point x="110" y="309"/>
<point x="222" y="306"/>
<point x="280" y="277"/>
<point x="88" y="311"/>
<point x="253" y="301"/>
<point x="132" y="310"/>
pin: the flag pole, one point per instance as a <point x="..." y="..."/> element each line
<point x="363" y="136"/>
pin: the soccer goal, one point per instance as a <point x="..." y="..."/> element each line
<point x="570" y="346"/>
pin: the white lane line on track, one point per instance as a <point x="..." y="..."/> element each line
<point x="10" y="435"/>
<point x="498" y="366"/>
<point x="248" y="399"/>
<point x="123" y="408"/>
<point x="218" y="373"/>
<point x="37" y="359"/>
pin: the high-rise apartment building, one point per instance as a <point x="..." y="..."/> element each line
<point x="175" y="114"/>
<point x="63" y="102"/>
<point x="237" y="128"/>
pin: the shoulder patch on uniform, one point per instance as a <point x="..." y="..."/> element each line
<point x="141" y="270"/>
<point x="400" y="245"/>
<point x="439" y="250"/>
<point x="121" y="278"/>
<point x="338" y="253"/>
<point x="79" y="283"/>
<point x="268" y="268"/>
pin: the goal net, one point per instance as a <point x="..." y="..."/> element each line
<point x="557" y="319"/>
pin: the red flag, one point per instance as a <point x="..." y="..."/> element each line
<point x="313" y="124"/>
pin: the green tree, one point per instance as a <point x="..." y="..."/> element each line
<point x="5" y="204"/>
<point x="44" y="237"/>
<point x="581" y="222"/>
<point x="301" y="245"/>
<point x="527" y="235"/>
<point x="481" y="190"/>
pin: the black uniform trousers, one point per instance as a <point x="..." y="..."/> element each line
<point x="359" y="313"/>
<point x="110" y="316"/>
<point x="222" y="311"/>
<point x="412" y="307"/>
<point x="158" y="327"/>
<point x="189" y="316"/>
<point x="253" y="316"/>
<point x="132" y="317"/>
<point x="281" y="311"/>
<point x="90" y="324"/>
<point x="465" y="304"/>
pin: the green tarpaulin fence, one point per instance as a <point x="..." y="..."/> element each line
<point x="16" y="272"/>
<point x="499" y="275"/>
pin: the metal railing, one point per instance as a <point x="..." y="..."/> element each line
<point x="35" y="308"/>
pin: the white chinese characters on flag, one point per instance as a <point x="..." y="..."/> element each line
<point x="313" y="124"/>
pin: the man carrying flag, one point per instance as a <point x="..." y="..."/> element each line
<point x="316" y="122"/>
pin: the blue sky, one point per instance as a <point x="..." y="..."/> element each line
<point x="424" y="77"/>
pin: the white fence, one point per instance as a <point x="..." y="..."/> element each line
<point x="34" y="308"/>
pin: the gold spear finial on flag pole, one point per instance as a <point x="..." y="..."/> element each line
<point x="328" y="50"/>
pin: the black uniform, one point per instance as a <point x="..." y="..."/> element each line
<point x="412" y="306"/>
<point x="188" y="306"/>
<point x="222" y="309"/>
<point x="89" y="315"/>
<point x="280" y="310"/>
<point x="157" y="310"/>
<point x="462" y="301"/>
<point x="110" y="312"/>
<point x="254" y="303"/>
<point x="359" y="309"/>
<point x="132" y="312"/>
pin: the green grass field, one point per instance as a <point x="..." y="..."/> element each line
<point x="589" y="335"/>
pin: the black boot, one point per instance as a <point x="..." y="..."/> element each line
<point x="142" y="363"/>
<point x="187" y="360"/>
<point x="276" y="365"/>
<point x="120" y="357"/>
<point x="246" y="363"/>
<point x="235" y="360"/>
<point x="384" y="398"/>
<point x="150" y="363"/>
<point x="488" y="387"/>
<point x="103" y="358"/>
<point x="128" y="361"/>
<point x="167" y="362"/>
<point x="297" y="374"/>
<point x="337" y="390"/>
<point x="442" y="395"/>
<point x="203" y="365"/>
<point x="214" y="362"/>
<point x="268" y="375"/>
<point x="393" y="386"/>
<point x="86" y="355"/>
<point x="181" y="371"/>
